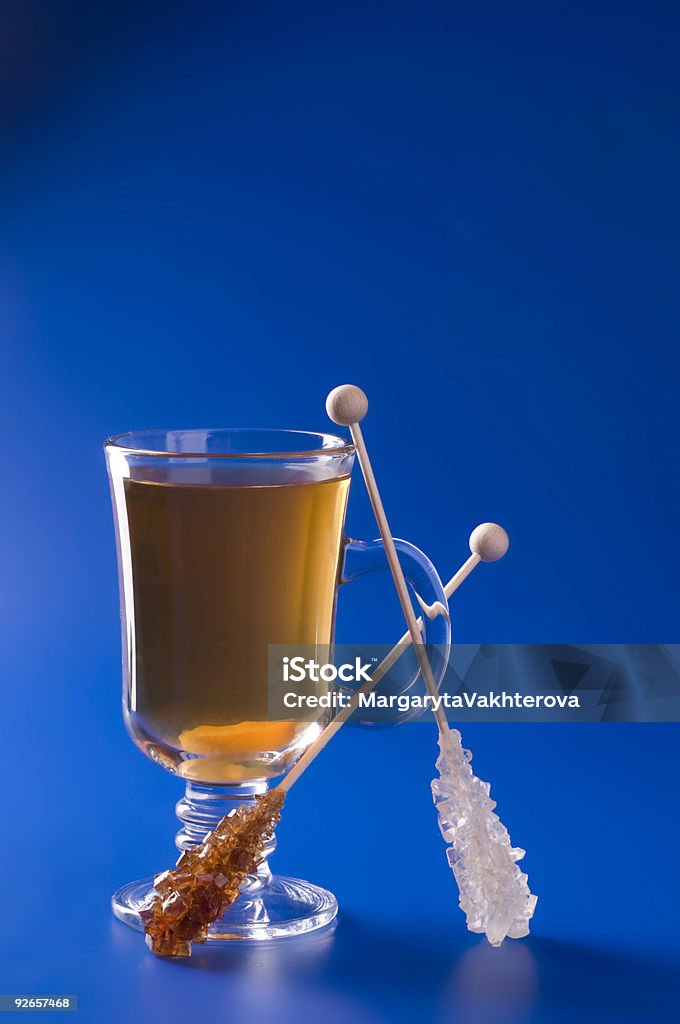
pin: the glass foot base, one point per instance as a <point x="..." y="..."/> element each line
<point x="279" y="908"/>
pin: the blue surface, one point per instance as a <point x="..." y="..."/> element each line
<point x="213" y="214"/>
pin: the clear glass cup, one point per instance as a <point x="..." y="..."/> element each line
<point x="230" y="540"/>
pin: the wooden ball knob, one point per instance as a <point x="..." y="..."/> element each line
<point x="489" y="541"/>
<point x="346" y="404"/>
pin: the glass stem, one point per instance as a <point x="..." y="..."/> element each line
<point x="204" y="805"/>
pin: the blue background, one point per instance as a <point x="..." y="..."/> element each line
<point x="212" y="214"/>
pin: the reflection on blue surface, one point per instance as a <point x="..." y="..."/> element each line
<point x="492" y="986"/>
<point x="368" y="974"/>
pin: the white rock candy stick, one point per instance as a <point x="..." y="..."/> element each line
<point x="494" y="893"/>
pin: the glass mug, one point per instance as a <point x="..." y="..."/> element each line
<point x="230" y="540"/>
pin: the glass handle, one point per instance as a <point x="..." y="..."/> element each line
<point x="361" y="557"/>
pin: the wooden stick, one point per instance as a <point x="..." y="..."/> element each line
<point x="347" y="405"/>
<point x="488" y="543"/>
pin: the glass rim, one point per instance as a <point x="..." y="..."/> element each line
<point x="326" y="444"/>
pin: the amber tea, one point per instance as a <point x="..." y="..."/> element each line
<point x="221" y="572"/>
